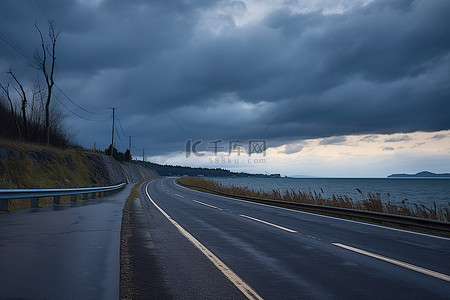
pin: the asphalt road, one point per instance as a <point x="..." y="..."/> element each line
<point x="64" y="251"/>
<point x="281" y="253"/>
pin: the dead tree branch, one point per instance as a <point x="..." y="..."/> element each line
<point x="23" y="96"/>
<point x="48" y="53"/>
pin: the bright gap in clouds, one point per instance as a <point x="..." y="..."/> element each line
<point x="376" y="155"/>
<point x="249" y="12"/>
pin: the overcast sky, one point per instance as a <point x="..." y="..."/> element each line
<point x="335" y="88"/>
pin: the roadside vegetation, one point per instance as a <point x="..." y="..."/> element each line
<point x="134" y="193"/>
<point x="369" y="201"/>
<point x="23" y="165"/>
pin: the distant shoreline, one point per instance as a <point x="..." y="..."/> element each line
<point x="424" y="174"/>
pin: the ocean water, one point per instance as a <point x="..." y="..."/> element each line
<point x="414" y="190"/>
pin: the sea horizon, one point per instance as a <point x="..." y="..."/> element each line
<point x="399" y="190"/>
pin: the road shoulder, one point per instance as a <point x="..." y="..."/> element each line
<point x="160" y="263"/>
<point x="140" y="275"/>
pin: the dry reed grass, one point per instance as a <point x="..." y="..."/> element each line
<point x="369" y="202"/>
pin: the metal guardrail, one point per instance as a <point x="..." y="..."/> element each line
<point x="363" y="214"/>
<point x="36" y="193"/>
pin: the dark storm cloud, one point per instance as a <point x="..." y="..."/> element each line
<point x="418" y="145"/>
<point x="178" y="69"/>
<point x="335" y="140"/>
<point x="293" y="148"/>
<point x="402" y="138"/>
<point x="369" y="138"/>
<point x="439" y="136"/>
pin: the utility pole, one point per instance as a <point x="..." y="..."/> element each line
<point x="112" y="135"/>
<point x="143" y="154"/>
<point x="129" y="149"/>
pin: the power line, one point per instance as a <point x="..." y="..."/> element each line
<point x="74" y="113"/>
<point x="132" y="148"/>
<point x="15" y="47"/>
<point x="10" y="41"/>
<point x="10" y="44"/>
<point x="33" y="62"/>
<point x="15" y="41"/>
<point x="118" y="135"/>
<point x="172" y="118"/>
<point x="120" y="123"/>
<point x="73" y="102"/>
<point x="56" y="97"/>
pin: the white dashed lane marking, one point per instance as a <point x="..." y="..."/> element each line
<point x="396" y="262"/>
<point x="270" y="224"/>
<point x="205" y="204"/>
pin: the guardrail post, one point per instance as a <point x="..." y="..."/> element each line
<point x="93" y="194"/>
<point x="57" y="199"/>
<point x="73" y="198"/>
<point x="4" y="203"/>
<point x="35" y="200"/>
<point x="85" y="196"/>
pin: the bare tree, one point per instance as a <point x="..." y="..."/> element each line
<point x="23" y="96"/>
<point x="46" y="62"/>
<point x="8" y="96"/>
<point x="13" y="111"/>
<point x="37" y="107"/>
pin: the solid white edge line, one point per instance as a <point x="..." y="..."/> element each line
<point x="233" y="277"/>
<point x="396" y="262"/>
<point x="205" y="204"/>
<point x="323" y="216"/>
<point x="271" y="224"/>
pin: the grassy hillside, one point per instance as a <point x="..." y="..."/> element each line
<point x="23" y="165"/>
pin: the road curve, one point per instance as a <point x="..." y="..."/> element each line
<point x="282" y="253"/>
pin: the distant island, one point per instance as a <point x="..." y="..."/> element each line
<point x="424" y="174"/>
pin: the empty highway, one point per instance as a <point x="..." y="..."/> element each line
<point x="257" y="251"/>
